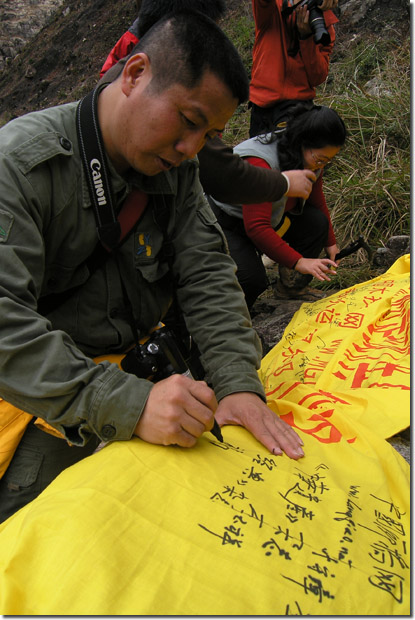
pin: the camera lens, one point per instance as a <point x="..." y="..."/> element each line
<point x="318" y="25"/>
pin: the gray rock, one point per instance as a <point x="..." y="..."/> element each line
<point x="396" y="246"/>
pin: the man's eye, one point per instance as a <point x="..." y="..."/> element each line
<point x="187" y="121"/>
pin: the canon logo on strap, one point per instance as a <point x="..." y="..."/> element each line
<point x="95" y="166"/>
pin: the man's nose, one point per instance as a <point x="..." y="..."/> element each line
<point x="191" y="143"/>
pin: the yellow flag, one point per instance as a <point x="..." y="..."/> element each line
<point x="229" y="529"/>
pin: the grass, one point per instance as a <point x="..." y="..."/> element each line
<point x="368" y="185"/>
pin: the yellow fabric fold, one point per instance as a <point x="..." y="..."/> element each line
<point x="229" y="529"/>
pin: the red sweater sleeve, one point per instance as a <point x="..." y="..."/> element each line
<point x="257" y="222"/>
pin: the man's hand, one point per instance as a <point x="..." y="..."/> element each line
<point x="317" y="267"/>
<point x="303" y="17"/>
<point x="303" y="24"/>
<point x="178" y="411"/>
<point x="301" y="183"/>
<point x="248" y="409"/>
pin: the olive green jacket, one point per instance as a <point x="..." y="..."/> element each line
<point x="47" y="233"/>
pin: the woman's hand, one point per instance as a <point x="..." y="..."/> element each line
<point x="303" y="24"/>
<point x="332" y="251"/>
<point x="303" y="17"/>
<point x="317" y="267"/>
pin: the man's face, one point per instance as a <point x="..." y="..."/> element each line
<point x="161" y="130"/>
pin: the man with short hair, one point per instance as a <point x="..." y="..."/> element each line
<point x="178" y="89"/>
<point x="223" y="174"/>
<point x="149" y="12"/>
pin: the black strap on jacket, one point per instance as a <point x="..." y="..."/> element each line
<point x="95" y="165"/>
<point x="96" y="170"/>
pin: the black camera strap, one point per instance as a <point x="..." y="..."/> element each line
<point x="96" y="170"/>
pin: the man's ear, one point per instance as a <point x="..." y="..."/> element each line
<point x="137" y="71"/>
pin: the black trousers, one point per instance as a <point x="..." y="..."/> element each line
<point x="307" y="234"/>
<point x="265" y="120"/>
<point x="38" y="460"/>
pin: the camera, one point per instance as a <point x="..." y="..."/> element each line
<point x="316" y="19"/>
<point x="156" y="358"/>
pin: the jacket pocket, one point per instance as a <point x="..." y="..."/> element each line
<point x="208" y="217"/>
<point x="149" y="257"/>
<point x="24" y="469"/>
<point x="59" y="278"/>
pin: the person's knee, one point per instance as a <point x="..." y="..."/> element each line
<point x="321" y="222"/>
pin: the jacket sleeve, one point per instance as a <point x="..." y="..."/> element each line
<point x="44" y="372"/>
<point x="257" y="223"/>
<point x="262" y="11"/>
<point x="213" y="302"/>
<point x="316" y="57"/>
<point x="228" y="178"/>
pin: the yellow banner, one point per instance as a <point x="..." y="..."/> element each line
<point x="346" y="358"/>
<point x="229" y="529"/>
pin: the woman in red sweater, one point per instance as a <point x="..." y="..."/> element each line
<point x="292" y="232"/>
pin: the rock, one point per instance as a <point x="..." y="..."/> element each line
<point x="270" y="317"/>
<point x="20" y="21"/>
<point x="399" y="245"/>
<point x="375" y="88"/>
<point x="396" y="246"/>
<point x="355" y="10"/>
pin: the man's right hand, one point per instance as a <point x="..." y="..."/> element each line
<point x="178" y="411"/>
<point x="301" y="183"/>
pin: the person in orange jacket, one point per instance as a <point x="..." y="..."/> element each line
<point x="122" y="48"/>
<point x="287" y="63"/>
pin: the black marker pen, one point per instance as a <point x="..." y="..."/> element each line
<point x="216" y="432"/>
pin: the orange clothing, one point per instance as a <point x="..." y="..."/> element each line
<point x="276" y="74"/>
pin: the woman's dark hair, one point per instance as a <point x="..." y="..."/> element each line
<point x="308" y="128"/>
